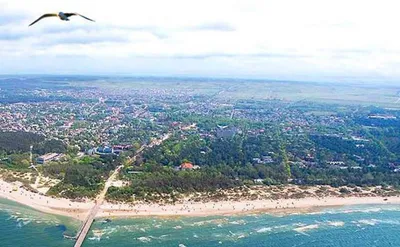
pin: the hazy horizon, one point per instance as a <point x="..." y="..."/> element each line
<point x="339" y="81"/>
<point x="337" y="41"/>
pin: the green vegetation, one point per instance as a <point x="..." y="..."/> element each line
<point x="270" y="156"/>
<point x="161" y="181"/>
<point x="79" y="178"/>
<point x="19" y="142"/>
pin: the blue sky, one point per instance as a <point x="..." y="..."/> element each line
<point x="297" y="40"/>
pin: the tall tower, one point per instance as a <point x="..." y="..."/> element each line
<point x="31" y="157"/>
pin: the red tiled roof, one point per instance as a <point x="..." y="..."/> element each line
<point x="186" y="165"/>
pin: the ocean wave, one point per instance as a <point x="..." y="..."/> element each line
<point x="303" y="229"/>
<point x="94" y="238"/>
<point x="128" y="228"/>
<point x="373" y="222"/>
<point x="97" y="234"/>
<point x="217" y="235"/>
<point x="335" y="223"/>
<point x="111" y="230"/>
<point x="264" y="229"/>
<point x="242" y="236"/>
<point x="237" y="235"/>
<point x="213" y="221"/>
<point x="12" y="217"/>
<point x="370" y="222"/>
<point x="104" y="232"/>
<point x="238" y="222"/>
<point x="7" y="210"/>
<point x="346" y="210"/>
<point x="26" y="222"/>
<point x="390" y="222"/>
<point x="366" y="210"/>
<point x="27" y="218"/>
<point x="144" y="239"/>
<point x="23" y="221"/>
<point x="280" y="226"/>
<point x="158" y="238"/>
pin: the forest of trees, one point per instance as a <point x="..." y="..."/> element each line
<point x="235" y="151"/>
<point x="20" y="142"/>
<point x="156" y="179"/>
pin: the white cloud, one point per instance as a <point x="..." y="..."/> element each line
<point x="280" y="39"/>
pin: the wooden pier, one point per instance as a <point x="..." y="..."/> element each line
<point x="81" y="235"/>
<point x="84" y="230"/>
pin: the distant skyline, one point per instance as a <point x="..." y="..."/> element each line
<point x="287" y="40"/>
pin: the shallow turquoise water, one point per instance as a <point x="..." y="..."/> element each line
<point x="345" y="226"/>
<point x="23" y="226"/>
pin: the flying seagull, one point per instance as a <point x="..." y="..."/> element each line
<point x="61" y="15"/>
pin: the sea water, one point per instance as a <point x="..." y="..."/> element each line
<point x="372" y="225"/>
<point x="24" y="226"/>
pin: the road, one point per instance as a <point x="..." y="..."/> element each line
<point x="81" y="235"/>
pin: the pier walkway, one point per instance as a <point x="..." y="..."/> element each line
<point x="84" y="230"/>
<point x="80" y="237"/>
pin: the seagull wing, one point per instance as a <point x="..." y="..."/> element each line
<point x="43" y="16"/>
<point x="71" y="14"/>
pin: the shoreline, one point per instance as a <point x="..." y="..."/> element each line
<point x="228" y="208"/>
<point x="45" y="204"/>
<point x="279" y="207"/>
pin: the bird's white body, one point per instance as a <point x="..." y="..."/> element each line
<point x="62" y="16"/>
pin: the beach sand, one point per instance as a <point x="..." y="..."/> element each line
<point x="277" y="207"/>
<point x="59" y="206"/>
<point x="79" y="210"/>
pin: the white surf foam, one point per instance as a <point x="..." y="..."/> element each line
<point x="336" y="223"/>
<point x="303" y="229"/>
<point x="144" y="239"/>
<point x="264" y="229"/>
<point x="370" y="222"/>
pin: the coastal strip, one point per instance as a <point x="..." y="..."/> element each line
<point x="80" y="210"/>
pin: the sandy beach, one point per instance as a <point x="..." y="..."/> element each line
<point x="59" y="206"/>
<point x="280" y="207"/>
<point x="79" y="210"/>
